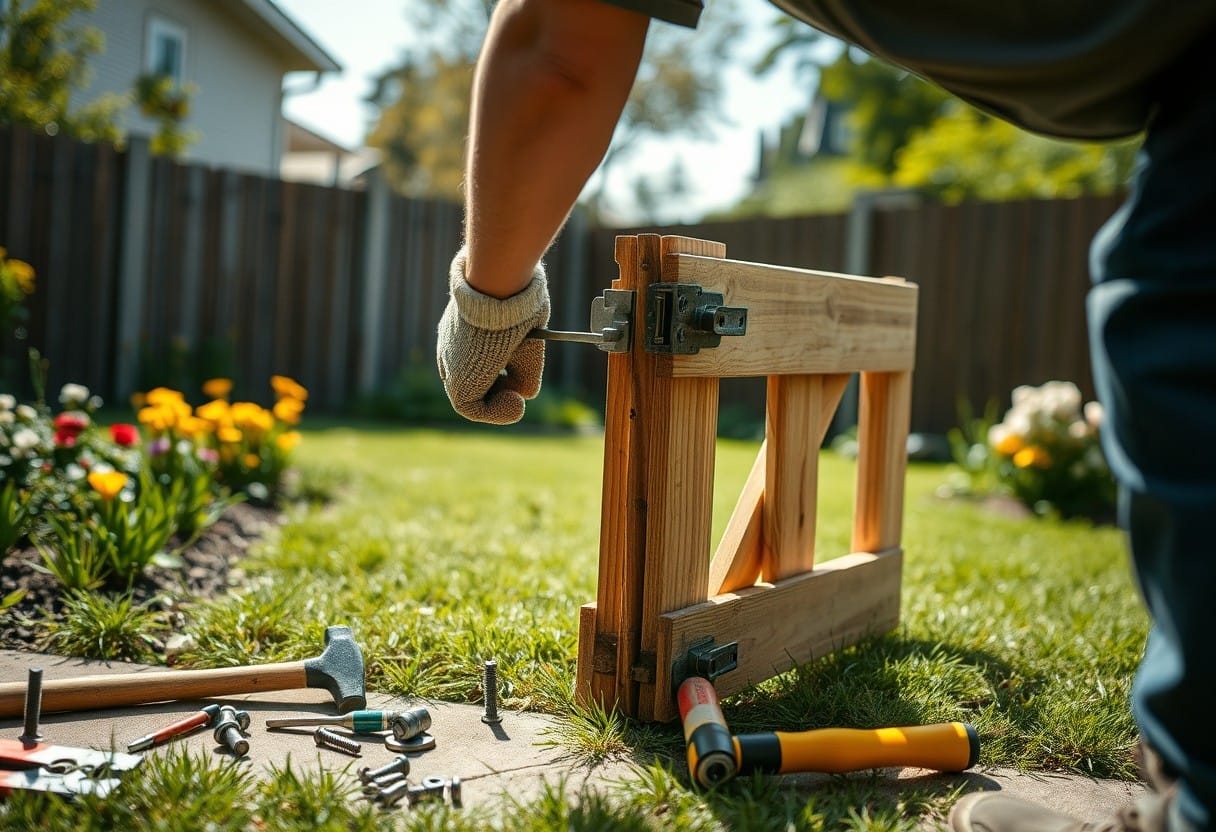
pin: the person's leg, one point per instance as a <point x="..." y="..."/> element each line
<point x="1152" y="320"/>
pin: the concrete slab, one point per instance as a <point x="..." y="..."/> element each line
<point x="517" y="757"/>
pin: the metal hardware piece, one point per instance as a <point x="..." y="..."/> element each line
<point x="33" y="706"/>
<point x="230" y="731"/>
<point x="414" y="745"/>
<point x="611" y="323"/>
<point x="401" y="765"/>
<point x="378" y="785"/>
<point x="489" y="687"/>
<point x="392" y="795"/>
<point x="61" y="769"/>
<point x="706" y="661"/>
<point x="360" y="722"/>
<point x="326" y="738"/>
<point x="454" y="791"/>
<point x="411" y="723"/>
<point x="682" y="318"/>
<point x="199" y="719"/>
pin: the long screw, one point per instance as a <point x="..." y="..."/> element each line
<point x="489" y="686"/>
<point x="401" y="764"/>
<point x="33" y="707"/>
<point x="325" y="738"/>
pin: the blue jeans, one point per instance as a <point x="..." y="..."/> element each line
<point x="1152" y="324"/>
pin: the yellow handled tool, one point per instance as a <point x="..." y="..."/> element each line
<point x="714" y="756"/>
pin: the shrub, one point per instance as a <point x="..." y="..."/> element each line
<point x="1046" y="452"/>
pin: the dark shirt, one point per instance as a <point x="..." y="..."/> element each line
<point x="1083" y="69"/>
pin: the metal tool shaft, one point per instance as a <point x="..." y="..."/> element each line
<point x="607" y="336"/>
<point x="361" y="722"/>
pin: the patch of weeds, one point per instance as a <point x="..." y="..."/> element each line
<point x="317" y="800"/>
<point x="98" y="626"/>
<point x="258" y="626"/>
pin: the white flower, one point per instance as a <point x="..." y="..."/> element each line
<point x="1020" y="424"/>
<point x="25" y="439"/>
<point x="1025" y="396"/>
<point x="73" y="394"/>
<point x="26" y="413"/>
<point x="95" y="403"/>
<point x="1079" y="429"/>
<point x="7" y="402"/>
<point x="1094" y="412"/>
<point x="1062" y="399"/>
<point x="7" y="417"/>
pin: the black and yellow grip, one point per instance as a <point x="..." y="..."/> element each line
<point x="715" y="756"/>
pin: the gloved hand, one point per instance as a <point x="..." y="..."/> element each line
<point x="487" y="366"/>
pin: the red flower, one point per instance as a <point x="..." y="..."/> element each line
<point x="125" y="435"/>
<point x="71" y="422"/>
<point x="65" y="438"/>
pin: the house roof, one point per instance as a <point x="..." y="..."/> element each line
<point x="301" y="139"/>
<point x="294" y="46"/>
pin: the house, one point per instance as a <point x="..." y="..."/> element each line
<point x="310" y="157"/>
<point x="233" y="53"/>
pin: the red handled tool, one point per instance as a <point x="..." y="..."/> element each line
<point x="198" y="719"/>
<point x="715" y="756"/>
<point x="62" y="769"/>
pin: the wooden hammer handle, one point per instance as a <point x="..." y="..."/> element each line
<point x="86" y="693"/>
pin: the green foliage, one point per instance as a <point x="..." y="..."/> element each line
<point x="139" y="530"/>
<point x="14" y="516"/>
<point x="97" y="626"/>
<point x="44" y="56"/>
<point x="166" y="102"/>
<point x="76" y="553"/>
<point x="965" y="154"/>
<point x="969" y="448"/>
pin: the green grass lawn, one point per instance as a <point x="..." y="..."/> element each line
<point x="445" y="549"/>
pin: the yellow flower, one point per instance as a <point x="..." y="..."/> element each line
<point x="217" y="388"/>
<point x="163" y="395"/>
<point x="252" y="460"/>
<point x="24" y="273"/>
<point x="288" y="440"/>
<point x="287" y="388"/>
<point x="107" y="484"/>
<point x="1009" y="444"/>
<point x="138" y="400"/>
<point x="192" y="426"/>
<point x="156" y="419"/>
<point x="251" y="417"/>
<point x="288" y="410"/>
<point x="230" y="435"/>
<point x="216" y="412"/>
<point x="1032" y="456"/>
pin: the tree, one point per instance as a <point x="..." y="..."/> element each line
<point x="424" y="101"/>
<point x="43" y="58"/>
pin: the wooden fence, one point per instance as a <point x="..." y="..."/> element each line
<point x="152" y="272"/>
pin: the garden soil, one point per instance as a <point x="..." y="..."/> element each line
<point x="514" y="760"/>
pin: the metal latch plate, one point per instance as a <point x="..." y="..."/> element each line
<point x="682" y="318"/>
<point x="705" y="660"/>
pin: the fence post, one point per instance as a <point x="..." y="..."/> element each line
<point x="379" y="203"/>
<point x="132" y="270"/>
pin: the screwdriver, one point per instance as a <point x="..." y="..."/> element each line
<point x="404" y="724"/>
<point x="196" y="720"/>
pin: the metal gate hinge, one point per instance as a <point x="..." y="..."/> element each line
<point x="611" y="323"/>
<point x="682" y="318"/>
<point x="706" y="661"/>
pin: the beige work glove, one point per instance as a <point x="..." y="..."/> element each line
<point x="487" y="366"/>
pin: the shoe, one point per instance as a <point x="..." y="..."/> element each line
<point x="998" y="812"/>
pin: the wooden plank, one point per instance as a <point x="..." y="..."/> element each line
<point x="678" y="418"/>
<point x="801" y="321"/>
<point x="882" y="458"/>
<point x="779" y="626"/>
<point x="799" y="411"/>
<point x="736" y="562"/>
<point x="586" y="654"/>
<point x="622" y="521"/>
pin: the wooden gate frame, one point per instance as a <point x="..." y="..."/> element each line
<point x="658" y="592"/>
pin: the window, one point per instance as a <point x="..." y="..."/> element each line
<point x="165" y="49"/>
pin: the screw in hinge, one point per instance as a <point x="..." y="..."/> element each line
<point x="230" y="730"/>
<point x="325" y="738"/>
<point x="489" y="686"/>
<point x="33" y="707"/>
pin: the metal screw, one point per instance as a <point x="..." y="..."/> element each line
<point x="489" y="686"/>
<point x="399" y="765"/>
<point x="454" y="791"/>
<point x="378" y="785"/>
<point x="33" y="707"/>
<point x="230" y="730"/>
<point x="393" y="794"/>
<point x="325" y="738"/>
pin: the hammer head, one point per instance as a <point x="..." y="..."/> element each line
<point x="339" y="669"/>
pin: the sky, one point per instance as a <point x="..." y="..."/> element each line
<point x="719" y="170"/>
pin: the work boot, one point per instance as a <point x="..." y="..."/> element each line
<point x="998" y="812"/>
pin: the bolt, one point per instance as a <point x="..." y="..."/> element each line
<point x="378" y="785"/>
<point x="325" y="738"/>
<point x="392" y="795"/>
<point x="33" y="707"/>
<point x="230" y="730"/>
<point x="454" y="791"/>
<point x="411" y="723"/>
<point x="399" y="765"/>
<point x="489" y="686"/>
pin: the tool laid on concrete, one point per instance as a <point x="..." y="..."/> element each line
<point x="339" y="669"/>
<point x="200" y="719"/>
<point x="715" y="756"/>
<point x="403" y="724"/>
<point x="62" y="769"/>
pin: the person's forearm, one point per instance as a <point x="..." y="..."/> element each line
<point x="549" y="88"/>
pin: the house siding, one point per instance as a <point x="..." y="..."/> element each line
<point x="235" y="109"/>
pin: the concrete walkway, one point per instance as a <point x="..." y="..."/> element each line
<point x="516" y="757"/>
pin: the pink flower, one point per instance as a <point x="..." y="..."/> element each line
<point x="125" y="435"/>
<point x="158" y="446"/>
<point x="208" y="454"/>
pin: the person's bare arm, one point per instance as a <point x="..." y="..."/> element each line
<point x="549" y="88"/>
